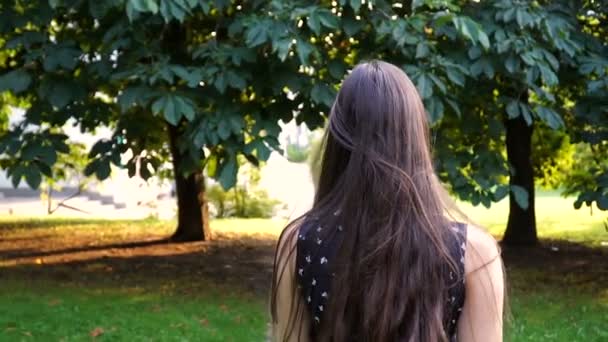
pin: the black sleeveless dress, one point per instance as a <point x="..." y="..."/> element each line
<point x="313" y="259"/>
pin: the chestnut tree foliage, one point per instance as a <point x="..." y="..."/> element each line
<point x="199" y="83"/>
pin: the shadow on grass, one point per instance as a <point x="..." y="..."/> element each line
<point x="182" y="267"/>
<point x="559" y="263"/>
<point x="40" y="254"/>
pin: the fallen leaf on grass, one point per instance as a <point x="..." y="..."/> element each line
<point x="54" y="302"/>
<point x="204" y="322"/>
<point x="237" y="319"/>
<point x="27" y="333"/>
<point x="224" y="307"/>
<point x="96" y="332"/>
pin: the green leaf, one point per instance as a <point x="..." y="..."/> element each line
<point x="435" y="109"/>
<point x="103" y="169"/>
<point x="281" y="47"/>
<point x="256" y="34"/>
<point x="532" y="74"/>
<point x="508" y="15"/>
<point x="32" y="176"/>
<point x="442" y="17"/>
<point x="262" y="151"/>
<point x="48" y="155"/>
<point x="64" y="57"/>
<point x="100" y="147"/>
<point x="45" y="169"/>
<point x="144" y="172"/>
<point x="513" y="109"/>
<point x="328" y="19"/>
<point x="548" y="76"/>
<point x="471" y="30"/>
<point x="228" y="173"/>
<point x="424" y="86"/>
<point x="314" y="22"/>
<point x="550" y="117"/>
<point x="483" y="39"/>
<point x="455" y="76"/>
<point x="145" y="5"/>
<point x="235" y="80"/>
<point x="31" y="151"/>
<point x="523" y="18"/>
<point x="525" y="112"/>
<point x="193" y="78"/>
<point x="236" y="123"/>
<point x="550" y="58"/>
<point x="511" y="64"/>
<point x="132" y="14"/>
<point x="337" y="69"/>
<point x="474" y="52"/>
<point x="16" y="174"/>
<point x="501" y="192"/>
<point x="174" y="107"/>
<point x="304" y="50"/>
<point x="170" y="9"/>
<point x="322" y="93"/>
<point x="61" y="92"/>
<point x="521" y="196"/>
<point x="351" y="26"/>
<point x="422" y="50"/>
<point x="602" y="202"/>
<point x="438" y="83"/>
<point x="132" y="96"/>
<point x="223" y="129"/>
<point x="16" y="81"/>
<point x="221" y="82"/>
<point x="186" y="106"/>
<point x="454" y="106"/>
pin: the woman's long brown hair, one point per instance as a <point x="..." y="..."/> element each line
<point x="377" y="172"/>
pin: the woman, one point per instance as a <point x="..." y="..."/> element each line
<point x="378" y="258"/>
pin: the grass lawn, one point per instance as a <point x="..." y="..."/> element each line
<point x="52" y="311"/>
<point x="82" y="280"/>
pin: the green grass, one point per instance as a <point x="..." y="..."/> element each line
<point x="550" y="313"/>
<point x="555" y="216"/>
<point x="545" y="305"/>
<point x="51" y="311"/>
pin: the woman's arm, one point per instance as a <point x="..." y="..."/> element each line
<point x="482" y="314"/>
<point x="289" y="303"/>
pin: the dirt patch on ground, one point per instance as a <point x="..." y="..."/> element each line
<point x="86" y="259"/>
<point x="229" y="260"/>
<point x="559" y="264"/>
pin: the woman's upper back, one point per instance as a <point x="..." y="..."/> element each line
<point x="315" y="255"/>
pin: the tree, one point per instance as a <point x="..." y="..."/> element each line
<point x="490" y="73"/>
<point x="173" y="78"/>
<point x="186" y="80"/>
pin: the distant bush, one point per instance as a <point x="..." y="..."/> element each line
<point x="297" y="153"/>
<point x="240" y="202"/>
<point x="245" y="200"/>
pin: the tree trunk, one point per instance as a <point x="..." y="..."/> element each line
<point x="521" y="227"/>
<point x="192" y="209"/>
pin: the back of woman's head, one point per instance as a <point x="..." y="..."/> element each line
<point x="377" y="172"/>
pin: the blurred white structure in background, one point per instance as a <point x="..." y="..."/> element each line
<point x="122" y="197"/>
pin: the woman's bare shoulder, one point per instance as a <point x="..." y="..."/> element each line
<point x="482" y="249"/>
